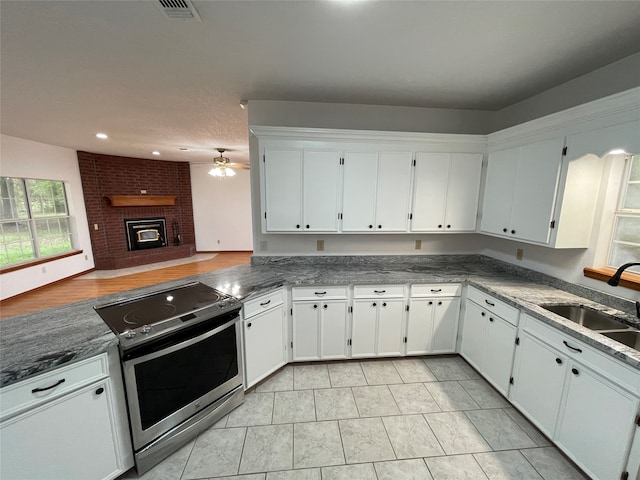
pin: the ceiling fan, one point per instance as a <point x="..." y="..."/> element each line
<point x="223" y="167"/>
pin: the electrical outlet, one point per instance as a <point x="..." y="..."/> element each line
<point x="263" y="246"/>
<point x="44" y="269"/>
<point x="95" y="226"/>
<point x="320" y="245"/>
<point x="143" y="191"/>
<point x="86" y="257"/>
<point x="519" y="253"/>
<point x="418" y="244"/>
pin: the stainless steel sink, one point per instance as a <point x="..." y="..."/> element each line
<point x="586" y="316"/>
<point x="630" y="338"/>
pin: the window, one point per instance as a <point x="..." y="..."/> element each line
<point x="625" y="243"/>
<point x="34" y="220"/>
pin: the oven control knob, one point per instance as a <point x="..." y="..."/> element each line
<point x="129" y="334"/>
<point x="221" y="305"/>
<point x="145" y="329"/>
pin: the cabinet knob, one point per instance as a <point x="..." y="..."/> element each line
<point x="513" y="232"/>
<point x="297" y="226"/>
<point x="307" y="226"/>
<point x="430" y="303"/>
<point x="575" y="371"/>
<point x="249" y="325"/>
<point x="384" y="304"/>
<point x="315" y="306"/>
<point x="379" y="226"/>
<point x="482" y="314"/>
<point x="448" y="226"/>
<point x="439" y="226"/>
<point x="324" y="306"/>
<point x="439" y="303"/>
<point x="491" y="319"/>
<point x="559" y="361"/>
<point x="504" y="230"/>
<point x="99" y="391"/>
<point x="370" y="226"/>
<point x="373" y="304"/>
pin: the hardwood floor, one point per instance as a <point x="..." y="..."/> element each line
<point x="77" y="289"/>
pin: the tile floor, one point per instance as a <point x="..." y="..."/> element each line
<point x="428" y="418"/>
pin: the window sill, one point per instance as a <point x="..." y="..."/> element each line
<point x="38" y="261"/>
<point x="628" y="280"/>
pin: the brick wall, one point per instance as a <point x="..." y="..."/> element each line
<point x="104" y="175"/>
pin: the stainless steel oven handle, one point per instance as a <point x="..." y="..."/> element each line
<point x="181" y="345"/>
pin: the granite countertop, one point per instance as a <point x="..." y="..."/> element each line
<point x="36" y="342"/>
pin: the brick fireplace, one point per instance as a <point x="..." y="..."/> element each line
<point x="107" y="177"/>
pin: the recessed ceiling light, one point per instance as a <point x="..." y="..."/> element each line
<point x="102" y="136"/>
<point x="155" y="152"/>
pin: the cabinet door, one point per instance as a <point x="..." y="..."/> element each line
<point x="445" y="325"/>
<point x="71" y="437"/>
<point x="390" y="316"/>
<point x="596" y="423"/>
<point x="430" y="192"/>
<point x="306" y="317"/>
<point x="419" y="326"/>
<point x="363" y="335"/>
<point x="283" y="194"/>
<point x="538" y="374"/>
<point x="502" y="170"/>
<point x="264" y="344"/>
<point x="359" y="191"/>
<point x="462" y="192"/>
<point x="321" y="188"/>
<point x="333" y="330"/>
<point x="473" y="334"/>
<point x="498" y="356"/>
<point x="535" y="193"/>
<point x="394" y="192"/>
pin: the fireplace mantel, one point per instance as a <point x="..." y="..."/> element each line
<point x="141" y="200"/>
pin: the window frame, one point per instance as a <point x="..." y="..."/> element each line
<point x="32" y="220"/>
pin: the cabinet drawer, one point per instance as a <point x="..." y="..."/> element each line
<point x="498" y="307"/>
<point x="320" y="292"/>
<point x="374" y="291"/>
<point x="263" y="303"/>
<point x="21" y="396"/>
<point x="565" y="343"/>
<point x="436" y="290"/>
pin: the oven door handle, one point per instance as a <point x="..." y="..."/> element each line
<point x="179" y="346"/>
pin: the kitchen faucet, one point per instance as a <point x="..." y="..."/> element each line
<point x="615" y="279"/>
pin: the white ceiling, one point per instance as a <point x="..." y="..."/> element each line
<point x="70" y="69"/>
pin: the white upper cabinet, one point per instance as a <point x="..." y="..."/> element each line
<point x="446" y="188"/>
<point x="283" y="190"/>
<point x="302" y="190"/>
<point x="377" y="189"/>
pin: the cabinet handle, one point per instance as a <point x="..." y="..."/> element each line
<point x="575" y="371"/>
<point x="249" y="325"/>
<point x="264" y="304"/>
<point x="384" y="304"/>
<point x="315" y="306"/>
<point x="572" y="348"/>
<point x="324" y="306"/>
<point x="99" y="391"/>
<point x="379" y="292"/>
<point x="491" y="319"/>
<point x="36" y="390"/>
<point x="436" y="290"/>
<point x="373" y="304"/>
<point x="489" y="303"/>
<point x="559" y="361"/>
<point x="319" y="293"/>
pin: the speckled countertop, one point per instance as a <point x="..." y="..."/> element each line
<point x="36" y="342"/>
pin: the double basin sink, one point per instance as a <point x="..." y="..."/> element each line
<point x="599" y="322"/>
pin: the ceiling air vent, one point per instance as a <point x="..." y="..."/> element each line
<point x="178" y="10"/>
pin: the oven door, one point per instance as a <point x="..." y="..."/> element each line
<point x="170" y="380"/>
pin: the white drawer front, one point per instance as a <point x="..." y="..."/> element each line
<point x="263" y="303"/>
<point x="21" y="396"/>
<point x="320" y="292"/>
<point x="583" y="353"/>
<point x="501" y="309"/>
<point x="436" y="290"/>
<point x="387" y="291"/>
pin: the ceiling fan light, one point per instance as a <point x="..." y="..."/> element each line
<point x="229" y="172"/>
<point x="216" y="172"/>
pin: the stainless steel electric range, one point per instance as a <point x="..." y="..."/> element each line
<point x="181" y="363"/>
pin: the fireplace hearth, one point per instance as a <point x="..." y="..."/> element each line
<point x="145" y="233"/>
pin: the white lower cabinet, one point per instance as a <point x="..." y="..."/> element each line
<point x="587" y="403"/>
<point x="75" y="434"/>
<point x="432" y="323"/>
<point x="377" y="324"/>
<point x="264" y="336"/>
<point x="488" y="337"/>
<point x="320" y="324"/>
